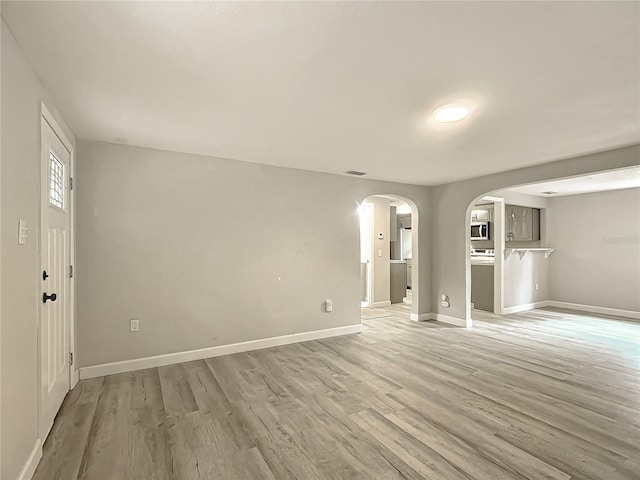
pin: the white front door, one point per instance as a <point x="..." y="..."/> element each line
<point x="54" y="277"/>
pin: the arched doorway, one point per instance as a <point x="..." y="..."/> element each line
<point x="389" y="253"/>
<point x="529" y="222"/>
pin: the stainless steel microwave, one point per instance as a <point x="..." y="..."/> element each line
<point x="480" y="231"/>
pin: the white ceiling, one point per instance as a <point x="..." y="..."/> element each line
<point x="600" y="182"/>
<point x="336" y="86"/>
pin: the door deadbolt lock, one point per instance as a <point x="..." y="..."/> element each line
<point x="53" y="297"/>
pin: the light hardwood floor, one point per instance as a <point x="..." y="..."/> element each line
<point x="547" y="394"/>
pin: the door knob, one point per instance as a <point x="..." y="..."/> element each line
<point x="51" y="297"/>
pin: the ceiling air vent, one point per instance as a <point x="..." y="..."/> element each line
<point x="549" y="193"/>
<point x="355" y="172"/>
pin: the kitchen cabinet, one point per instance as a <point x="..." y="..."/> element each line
<point x="398" y="281"/>
<point x="482" y="213"/>
<point x="482" y="287"/>
<point x="522" y="224"/>
<point x="404" y="221"/>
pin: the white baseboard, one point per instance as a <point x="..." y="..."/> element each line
<point x="525" y="307"/>
<point x="452" y="320"/>
<point x="386" y="303"/>
<point x="421" y="317"/>
<point x="631" y="314"/>
<point x="190" y="355"/>
<point x="32" y="462"/>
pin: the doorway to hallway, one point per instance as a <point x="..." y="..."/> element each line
<point x="388" y="250"/>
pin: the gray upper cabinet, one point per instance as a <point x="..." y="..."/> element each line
<point x="404" y="220"/>
<point x="482" y="213"/>
<point x="522" y="224"/>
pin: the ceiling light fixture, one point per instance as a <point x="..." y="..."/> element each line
<point x="450" y="113"/>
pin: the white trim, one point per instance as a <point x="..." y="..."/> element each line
<point x="51" y="120"/>
<point x="31" y="464"/>
<point x="60" y="132"/>
<point x="386" y="303"/>
<point x="421" y="317"/>
<point x="499" y="245"/>
<point x="190" y="355"/>
<point x="47" y="117"/>
<point x="632" y="314"/>
<point x="75" y="377"/>
<point x="453" y="320"/>
<point x="526" y="306"/>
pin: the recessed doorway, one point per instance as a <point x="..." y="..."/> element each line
<point x="388" y="254"/>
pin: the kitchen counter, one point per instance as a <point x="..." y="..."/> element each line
<point x="482" y="286"/>
<point x="482" y="260"/>
<point x="398" y="280"/>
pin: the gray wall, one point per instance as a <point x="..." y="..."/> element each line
<point x="450" y="217"/>
<point x="1" y="28"/>
<point x="200" y="250"/>
<point x="522" y="275"/>
<point x="20" y="110"/>
<point x="155" y="231"/>
<point x="596" y="238"/>
<point x="380" y="264"/>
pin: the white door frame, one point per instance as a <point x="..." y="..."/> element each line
<point x="46" y="117"/>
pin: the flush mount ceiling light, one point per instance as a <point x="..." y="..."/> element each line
<point x="450" y="113"/>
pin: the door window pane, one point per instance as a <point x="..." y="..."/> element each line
<point x="56" y="181"/>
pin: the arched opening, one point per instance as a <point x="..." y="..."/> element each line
<point x="513" y="268"/>
<point x="483" y="246"/>
<point x="389" y="253"/>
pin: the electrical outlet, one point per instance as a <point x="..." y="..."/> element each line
<point x="444" y="301"/>
<point x="328" y="305"/>
<point x="134" y="325"/>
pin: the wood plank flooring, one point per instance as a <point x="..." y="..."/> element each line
<point x="547" y="394"/>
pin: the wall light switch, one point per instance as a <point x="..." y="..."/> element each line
<point x="379" y="253"/>
<point x="134" y="325"/>
<point x="22" y="232"/>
